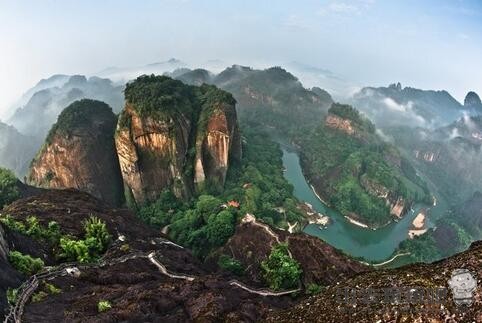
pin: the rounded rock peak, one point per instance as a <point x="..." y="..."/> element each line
<point x="472" y="99"/>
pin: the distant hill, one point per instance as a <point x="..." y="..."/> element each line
<point x="449" y="156"/>
<point x="397" y="105"/>
<point x="472" y="103"/>
<point x="16" y="150"/>
<point x="125" y="74"/>
<point x="48" y="98"/>
<point x="273" y="96"/>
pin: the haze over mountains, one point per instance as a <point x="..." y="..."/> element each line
<point x="394" y="105"/>
<point x="190" y="153"/>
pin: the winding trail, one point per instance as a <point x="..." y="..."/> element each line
<point x="163" y="268"/>
<point x="391" y="259"/>
<point x="28" y="288"/>
<point x="262" y="292"/>
<point x="249" y="218"/>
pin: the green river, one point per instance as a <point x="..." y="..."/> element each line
<point x="372" y="245"/>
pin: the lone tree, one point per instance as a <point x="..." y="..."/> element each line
<point x="280" y="270"/>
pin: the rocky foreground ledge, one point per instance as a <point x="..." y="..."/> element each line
<point x="148" y="278"/>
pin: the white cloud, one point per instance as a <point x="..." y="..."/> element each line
<point x="345" y="7"/>
<point x="406" y="109"/>
<point x="295" y="22"/>
<point x="392" y="105"/>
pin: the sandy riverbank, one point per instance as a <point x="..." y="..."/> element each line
<point x="355" y="222"/>
<point x="418" y="225"/>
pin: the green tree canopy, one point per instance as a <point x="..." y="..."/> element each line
<point x="8" y="187"/>
<point x="280" y="270"/>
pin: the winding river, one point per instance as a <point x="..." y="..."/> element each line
<point x="372" y="245"/>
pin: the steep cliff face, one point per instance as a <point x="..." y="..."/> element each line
<point x="80" y="153"/>
<point x="153" y="154"/>
<point x="214" y="145"/>
<point x="174" y="136"/>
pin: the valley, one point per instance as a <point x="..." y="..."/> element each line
<point x="371" y="245"/>
<point x="272" y="192"/>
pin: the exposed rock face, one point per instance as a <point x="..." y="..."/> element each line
<point x="398" y="208"/>
<point x="336" y="122"/>
<point x="397" y="204"/>
<point x="80" y="153"/>
<point x="333" y="305"/>
<point x="214" y="145"/>
<point x="472" y="99"/>
<point x="178" y="144"/>
<point x="427" y="156"/>
<point x="153" y="155"/>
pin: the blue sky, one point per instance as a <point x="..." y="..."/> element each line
<point x="426" y="44"/>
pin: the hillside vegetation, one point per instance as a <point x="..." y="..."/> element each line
<point x="356" y="172"/>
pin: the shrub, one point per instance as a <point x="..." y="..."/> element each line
<point x="97" y="235"/>
<point x="313" y="289"/>
<point x="75" y="250"/>
<point x="12" y="224"/>
<point x="39" y="296"/>
<point x="230" y="264"/>
<point x="52" y="289"/>
<point x="12" y="294"/>
<point x="103" y="306"/>
<point x="96" y="241"/>
<point x="47" y="289"/>
<point x="33" y="228"/>
<point x="8" y="187"/>
<point x="280" y="270"/>
<point x="25" y="263"/>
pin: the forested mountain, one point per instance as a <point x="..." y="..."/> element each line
<point x="273" y="97"/>
<point x="355" y="171"/>
<point x="396" y="105"/>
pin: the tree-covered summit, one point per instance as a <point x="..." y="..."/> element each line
<point x="346" y="111"/>
<point x="80" y="114"/>
<point x="159" y="95"/>
<point x="162" y="96"/>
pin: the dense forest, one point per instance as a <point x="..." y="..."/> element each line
<point x="352" y="172"/>
<point x="256" y="186"/>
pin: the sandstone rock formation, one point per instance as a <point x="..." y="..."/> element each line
<point x="174" y="136"/>
<point x="80" y="153"/>
<point x="336" y="122"/>
<point x="213" y="146"/>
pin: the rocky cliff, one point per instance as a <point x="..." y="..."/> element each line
<point x="146" y="277"/>
<point x="80" y="153"/>
<point x="214" y="142"/>
<point x="336" y="122"/>
<point x="175" y="136"/>
<point x="405" y="294"/>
